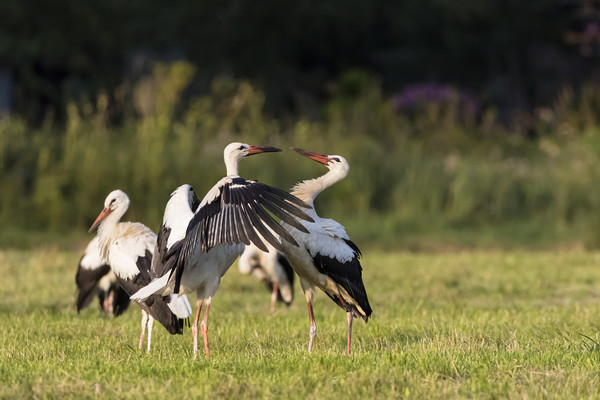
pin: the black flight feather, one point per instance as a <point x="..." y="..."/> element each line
<point x="87" y="282"/>
<point x="349" y="276"/>
<point x="155" y="305"/>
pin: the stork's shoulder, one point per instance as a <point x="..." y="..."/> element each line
<point x="328" y="238"/>
<point x="133" y="237"/>
<point x="333" y="228"/>
<point x="216" y="190"/>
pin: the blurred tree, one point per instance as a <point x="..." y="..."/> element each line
<point x="511" y="53"/>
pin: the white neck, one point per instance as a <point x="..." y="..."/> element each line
<point x="309" y="189"/>
<point x="231" y="163"/>
<point x="106" y="231"/>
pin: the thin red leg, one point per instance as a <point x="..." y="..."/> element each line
<point x="144" y="321"/>
<point x="108" y="304"/>
<point x="274" y="297"/>
<point x="204" y="327"/>
<point x="350" y="316"/>
<point x="150" y="325"/>
<point x="313" y="326"/>
<point x="195" y="327"/>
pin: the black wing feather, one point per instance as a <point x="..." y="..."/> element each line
<point x="286" y="206"/>
<point x="273" y="225"/>
<point x="87" y="282"/>
<point x="248" y="222"/>
<point x="235" y="215"/>
<point x="155" y="305"/>
<point x="279" y="213"/>
<point x="349" y="276"/>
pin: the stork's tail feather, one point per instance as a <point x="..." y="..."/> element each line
<point x="157" y="285"/>
<point x="180" y="306"/>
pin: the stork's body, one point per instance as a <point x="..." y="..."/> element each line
<point x="95" y="277"/>
<point x="273" y="269"/>
<point x="128" y="247"/>
<point x="197" y="243"/>
<point x="325" y="256"/>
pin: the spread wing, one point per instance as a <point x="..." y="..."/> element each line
<point x="238" y="211"/>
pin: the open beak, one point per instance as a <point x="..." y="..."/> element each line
<point x="320" y="158"/>
<point x="261" y="149"/>
<point x="103" y="214"/>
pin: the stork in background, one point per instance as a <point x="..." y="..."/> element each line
<point x="128" y="247"/>
<point x="326" y="257"/>
<point x="197" y="244"/>
<point x="95" y="277"/>
<point x="273" y="269"/>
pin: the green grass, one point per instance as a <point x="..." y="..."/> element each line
<point x="457" y="325"/>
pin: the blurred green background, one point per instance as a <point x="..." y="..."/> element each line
<point x="466" y="124"/>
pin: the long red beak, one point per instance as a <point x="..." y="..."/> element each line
<point x="103" y="214"/>
<point x="320" y="158"/>
<point x="261" y="149"/>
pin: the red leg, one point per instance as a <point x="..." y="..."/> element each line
<point x="313" y="326"/>
<point x="150" y="325"/>
<point x="144" y="321"/>
<point x="195" y="328"/>
<point x="108" y="304"/>
<point x="350" y="316"/>
<point x="274" y="297"/>
<point x="204" y="327"/>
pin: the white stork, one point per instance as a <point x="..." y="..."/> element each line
<point x="94" y="277"/>
<point x="197" y="243"/>
<point x="273" y="269"/>
<point x="326" y="257"/>
<point x="127" y="247"/>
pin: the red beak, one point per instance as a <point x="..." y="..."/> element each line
<point x="320" y="158"/>
<point x="103" y="214"/>
<point x="261" y="149"/>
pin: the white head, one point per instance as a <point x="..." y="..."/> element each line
<point x="333" y="162"/>
<point x="309" y="189"/>
<point x="185" y="195"/>
<point x="116" y="202"/>
<point x="235" y="151"/>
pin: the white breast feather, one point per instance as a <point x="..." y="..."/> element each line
<point x="92" y="258"/>
<point x="325" y="238"/>
<point x="177" y="218"/>
<point x="131" y="240"/>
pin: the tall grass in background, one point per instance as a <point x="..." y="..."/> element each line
<point x="413" y="173"/>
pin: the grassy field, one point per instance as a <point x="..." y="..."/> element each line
<point x="459" y="325"/>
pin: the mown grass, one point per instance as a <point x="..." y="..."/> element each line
<point x="458" y="325"/>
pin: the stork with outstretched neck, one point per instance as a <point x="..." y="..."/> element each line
<point x="325" y="256"/>
<point x="198" y="241"/>
<point x="128" y="247"/>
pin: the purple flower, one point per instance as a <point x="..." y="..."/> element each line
<point x="419" y="95"/>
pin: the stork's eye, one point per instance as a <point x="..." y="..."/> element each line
<point x="241" y="148"/>
<point x="112" y="201"/>
<point x="335" y="159"/>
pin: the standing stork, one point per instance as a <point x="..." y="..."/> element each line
<point x="95" y="277"/>
<point x="326" y="257"/>
<point x="196" y="246"/>
<point x="127" y="247"/>
<point x="273" y="269"/>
